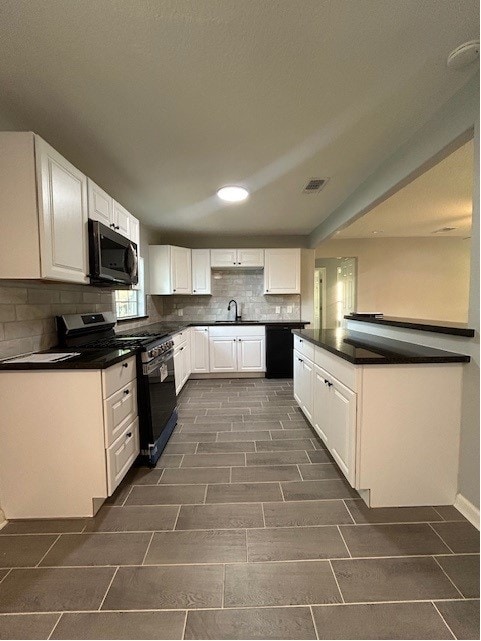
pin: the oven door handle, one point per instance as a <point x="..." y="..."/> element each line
<point x="148" y="368"/>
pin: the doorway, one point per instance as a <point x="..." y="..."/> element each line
<point x="334" y="291"/>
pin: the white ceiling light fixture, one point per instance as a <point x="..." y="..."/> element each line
<point x="233" y="193"/>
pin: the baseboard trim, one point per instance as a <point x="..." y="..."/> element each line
<point x="467" y="509"/>
<point x="3" y="520"/>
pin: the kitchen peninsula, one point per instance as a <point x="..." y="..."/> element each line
<point x="388" y="411"/>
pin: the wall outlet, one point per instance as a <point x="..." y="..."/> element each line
<point x="278" y="310"/>
<point x="180" y="312"/>
<point x="289" y="309"/>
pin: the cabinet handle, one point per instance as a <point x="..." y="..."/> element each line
<point x="300" y="340"/>
<point x="181" y="349"/>
<point x="300" y="360"/>
<point x="239" y="263"/>
<point x="117" y="227"/>
<point x="240" y="340"/>
<point x="125" y="364"/>
<point x="267" y="290"/>
<point x="112" y="225"/>
<point x="174" y="290"/>
<point x="126" y="391"/>
<point x="195" y="291"/>
<point x="128" y="435"/>
<point x="206" y="330"/>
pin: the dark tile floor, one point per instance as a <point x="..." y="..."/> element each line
<point x="245" y="530"/>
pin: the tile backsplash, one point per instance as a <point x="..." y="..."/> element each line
<point x="246" y="287"/>
<point x="28" y="309"/>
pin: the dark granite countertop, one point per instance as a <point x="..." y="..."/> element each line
<point x="439" y="327"/>
<point x="88" y="359"/>
<point x="172" y="327"/>
<point x="364" y="349"/>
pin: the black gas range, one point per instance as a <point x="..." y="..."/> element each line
<point x="157" y="401"/>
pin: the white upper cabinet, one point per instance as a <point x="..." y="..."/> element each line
<point x="237" y="257"/>
<point x="201" y="274"/>
<point x="250" y="257"/>
<point x="121" y="220"/>
<point x="110" y="213"/>
<point x="62" y="199"/>
<point x="134" y="234"/>
<point x="223" y="257"/>
<point x="170" y="270"/>
<point x="282" y="271"/>
<point x="101" y="205"/>
<point x="43" y="212"/>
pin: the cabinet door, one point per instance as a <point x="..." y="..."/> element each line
<point x="307" y="387"/>
<point x="298" y="377"/>
<point x="186" y="365"/>
<point x="223" y="354"/>
<point x="63" y="216"/>
<point x="200" y="350"/>
<point x="181" y="270"/>
<point x="100" y="205"/>
<point x="121" y="220"/>
<point x="282" y="271"/>
<point x="250" y="257"/>
<point x="178" y="370"/>
<point x="251" y="354"/>
<point x="223" y="257"/>
<point x="321" y="407"/>
<point x="201" y="271"/>
<point x="134" y="231"/>
<point x="343" y="427"/>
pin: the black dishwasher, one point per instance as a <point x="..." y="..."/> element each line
<point x="279" y="350"/>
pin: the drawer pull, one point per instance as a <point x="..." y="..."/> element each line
<point x="181" y="349"/>
<point x="128" y="435"/>
<point x="126" y="391"/>
<point x="300" y="360"/>
<point x="125" y="364"/>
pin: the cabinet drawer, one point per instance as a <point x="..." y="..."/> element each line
<point x="180" y="337"/>
<point x="345" y="372"/>
<point x="117" y="376"/>
<point x="120" y="409"/>
<point x="121" y="454"/>
<point x="237" y="330"/>
<point x="304" y="347"/>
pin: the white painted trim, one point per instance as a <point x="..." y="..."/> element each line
<point x="3" y="520"/>
<point x="467" y="509"/>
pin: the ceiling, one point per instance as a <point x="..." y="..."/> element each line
<point x="163" y="101"/>
<point x="440" y="197"/>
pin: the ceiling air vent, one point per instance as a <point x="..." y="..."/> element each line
<point x="314" y="185"/>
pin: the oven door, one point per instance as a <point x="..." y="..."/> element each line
<point x="159" y="383"/>
<point x="113" y="258"/>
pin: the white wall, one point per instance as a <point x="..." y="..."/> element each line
<point x="453" y="123"/>
<point x="425" y="278"/>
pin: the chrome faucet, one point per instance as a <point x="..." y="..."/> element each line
<point x="237" y="316"/>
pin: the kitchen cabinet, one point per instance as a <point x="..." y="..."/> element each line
<point x="200" y="350"/>
<point x="170" y="270"/>
<point x="237" y="257"/>
<point x="43" y="212"/>
<point x="182" y="359"/>
<point x="237" y="349"/>
<point x="304" y="380"/>
<point x="334" y="419"/>
<point x="393" y="429"/>
<point x="282" y="271"/>
<point x="79" y="438"/>
<point x="103" y="208"/>
<point x="201" y="271"/>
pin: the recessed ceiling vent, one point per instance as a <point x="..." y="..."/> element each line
<point x="314" y="185"/>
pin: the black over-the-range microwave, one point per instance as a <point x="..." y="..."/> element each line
<point x="113" y="258"/>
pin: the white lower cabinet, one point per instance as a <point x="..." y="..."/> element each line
<point x="79" y="437"/>
<point x="303" y="383"/>
<point x="334" y="419"/>
<point x="199" y="350"/>
<point x="393" y="429"/>
<point x="182" y="360"/>
<point x="237" y="349"/>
